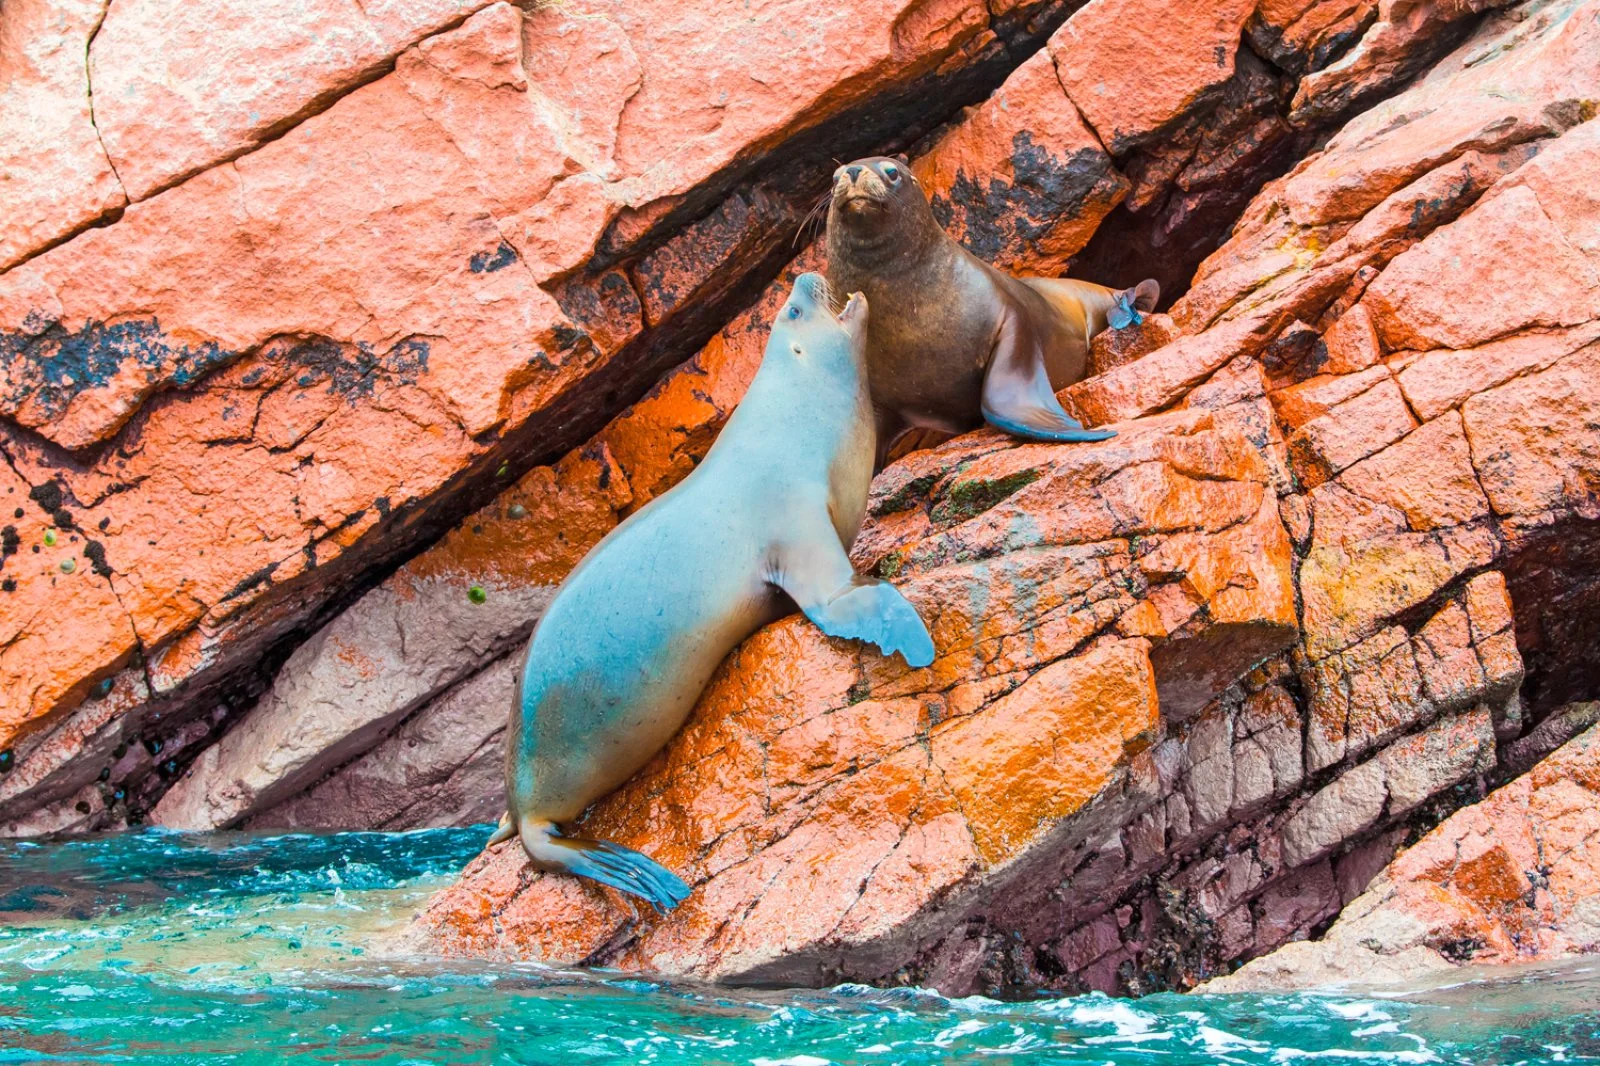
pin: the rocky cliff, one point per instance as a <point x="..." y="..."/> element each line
<point x="315" y="385"/>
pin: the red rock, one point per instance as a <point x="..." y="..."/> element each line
<point x="1427" y="475"/>
<point x="1304" y="401"/>
<point x="752" y="833"/>
<point x="403" y="644"/>
<point x="1288" y="245"/>
<point x="54" y="175"/>
<point x="181" y="87"/>
<point x="1161" y="378"/>
<point x="47" y="579"/>
<point x="1528" y="275"/>
<point x="1019" y="179"/>
<point x="302" y="344"/>
<point x="1465" y="891"/>
<point x="678" y="127"/>
<point x="1113" y="348"/>
<point x="1348" y="589"/>
<point x="1113" y="738"/>
<point x="1301" y="33"/>
<point x="1436" y="381"/>
<point x="1350" y="432"/>
<point x="1535" y="441"/>
<point x="1126" y="103"/>
<point x="1352" y="342"/>
<point x="1387" y="53"/>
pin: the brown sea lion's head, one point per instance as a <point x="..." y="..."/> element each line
<point x="875" y="200"/>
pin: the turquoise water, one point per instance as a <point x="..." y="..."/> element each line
<point x="231" y="948"/>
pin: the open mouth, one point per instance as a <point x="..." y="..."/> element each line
<point x="842" y="308"/>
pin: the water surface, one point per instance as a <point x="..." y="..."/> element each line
<point x="234" y="948"/>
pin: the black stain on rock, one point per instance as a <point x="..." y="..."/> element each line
<point x="605" y="309"/>
<point x="569" y="337"/>
<point x="260" y="577"/>
<point x="48" y="495"/>
<point x="50" y="367"/>
<point x="489" y="262"/>
<point x="1046" y="190"/>
<point x="95" y="552"/>
<point x="352" y="370"/>
<point x="10" y="541"/>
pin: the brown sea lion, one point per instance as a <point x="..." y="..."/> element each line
<point x="763" y="525"/>
<point x="953" y="342"/>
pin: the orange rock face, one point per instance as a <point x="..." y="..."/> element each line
<point x="1264" y="796"/>
<point x="55" y="177"/>
<point x="1044" y="696"/>
<point x="356" y="279"/>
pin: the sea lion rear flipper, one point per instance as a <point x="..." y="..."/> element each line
<point x="1127" y="305"/>
<point x="818" y="576"/>
<point x="610" y="864"/>
<point x="1017" y="396"/>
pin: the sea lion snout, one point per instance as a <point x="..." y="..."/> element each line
<point x="814" y="288"/>
<point x="859" y="190"/>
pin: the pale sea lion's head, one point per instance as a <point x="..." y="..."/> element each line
<point x="808" y="328"/>
<point x="877" y="202"/>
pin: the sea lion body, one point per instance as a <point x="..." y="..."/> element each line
<point x="953" y="342"/>
<point x="635" y="632"/>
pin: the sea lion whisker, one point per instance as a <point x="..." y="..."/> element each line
<point x="817" y="214"/>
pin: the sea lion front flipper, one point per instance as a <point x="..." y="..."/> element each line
<point x="818" y="576"/>
<point x="1017" y="396"/>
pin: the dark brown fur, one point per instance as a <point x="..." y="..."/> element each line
<point x="953" y="342"/>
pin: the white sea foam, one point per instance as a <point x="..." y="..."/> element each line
<point x="1101" y="1010"/>
<point x="962" y="1028"/>
<point x="1357" y="1012"/>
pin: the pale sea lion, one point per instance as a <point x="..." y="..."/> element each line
<point x="634" y="633"/>
<point x="953" y="342"/>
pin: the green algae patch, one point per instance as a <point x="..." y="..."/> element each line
<point x="968" y="499"/>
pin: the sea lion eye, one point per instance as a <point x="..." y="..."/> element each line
<point x="891" y="172"/>
<point x="794" y="311"/>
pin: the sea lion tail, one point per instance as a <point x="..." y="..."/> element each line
<point x="600" y="860"/>
<point x="502" y="832"/>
